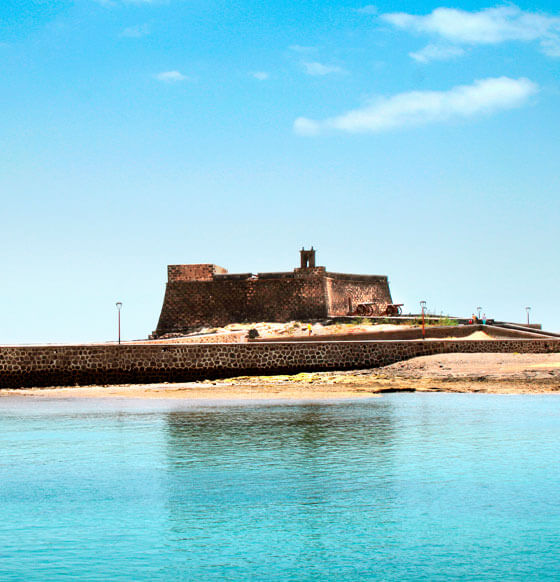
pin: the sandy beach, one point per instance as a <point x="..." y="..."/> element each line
<point x="486" y="373"/>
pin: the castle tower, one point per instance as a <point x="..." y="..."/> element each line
<point x="307" y="258"/>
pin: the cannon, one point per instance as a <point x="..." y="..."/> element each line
<point x="394" y="309"/>
<point x="367" y="309"/>
<point x="371" y="309"/>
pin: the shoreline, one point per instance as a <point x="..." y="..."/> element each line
<point x="81" y="365"/>
<point x="455" y="373"/>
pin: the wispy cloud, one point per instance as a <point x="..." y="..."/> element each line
<point x="298" y="48"/>
<point x="260" y="75"/>
<point x="488" y="26"/>
<point x="421" y="107"/>
<point x="368" y="9"/>
<point x="171" y="77"/>
<point x="434" y="52"/>
<point x="137" y="31"/>
<point x="319" y="69"/>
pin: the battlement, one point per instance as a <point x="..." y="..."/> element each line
<point x="197" y="272"/>
<point x="207" y="295"/>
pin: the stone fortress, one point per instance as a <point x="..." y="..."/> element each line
<point x="207" y="295"/>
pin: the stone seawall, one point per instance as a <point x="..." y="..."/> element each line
<point x="28" y="366"/>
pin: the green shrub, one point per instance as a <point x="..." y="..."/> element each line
<point x="447" y="321"/>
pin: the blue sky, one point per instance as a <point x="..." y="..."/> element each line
<point x="417" y="140"/>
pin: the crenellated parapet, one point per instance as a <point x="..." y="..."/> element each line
<point x="199" y="272"/>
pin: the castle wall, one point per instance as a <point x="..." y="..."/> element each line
<point x="205" y="294"/>
<point x="200" y="272"/>
<point x="357" y="288"/>
<point x="228" y="298"/>
<point x="27" y="366"/>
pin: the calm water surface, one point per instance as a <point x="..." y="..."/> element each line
<point x="408" y="486"/>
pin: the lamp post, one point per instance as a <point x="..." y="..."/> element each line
<point x="479" y="309"/>
<point x="423" y="306"/>
<point x="527" y="309"/>
<point x="119" y="306"/>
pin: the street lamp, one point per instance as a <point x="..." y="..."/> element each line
<point x="527" y="309"/>
<point x="479" y="309"/>
<point x="119" y="306"/>
<point x="423" y="306"/>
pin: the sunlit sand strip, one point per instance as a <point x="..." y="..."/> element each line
<point x="195" y="392"/>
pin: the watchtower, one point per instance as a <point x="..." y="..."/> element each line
<point x="307" y="258"/>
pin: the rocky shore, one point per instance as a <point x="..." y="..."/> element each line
<point x="478" y="372"/>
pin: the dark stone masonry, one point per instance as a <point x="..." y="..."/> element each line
<point x="207" y="295"/>
<point x="28" y="366"/>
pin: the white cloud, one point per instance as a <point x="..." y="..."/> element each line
<point x="260" y="75"/>
<point x="434" y="52"/>
<point x="171" y="77"/>
<point x="318" y="69"/>
<point x="137" y="31"/>
<point x="551" y="47"/>
<point x="421" y="107"/>
<point x="488" y="26"/>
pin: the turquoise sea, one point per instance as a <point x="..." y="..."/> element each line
<point x="403" y="487"/>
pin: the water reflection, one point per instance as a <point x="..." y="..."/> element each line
<point x="431" y="487"/>
<point x="285" y="474"/>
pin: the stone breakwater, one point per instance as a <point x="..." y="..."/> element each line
<point x="29" y="366"/>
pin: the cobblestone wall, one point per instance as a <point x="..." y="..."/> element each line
<point x="22" y="366"/>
